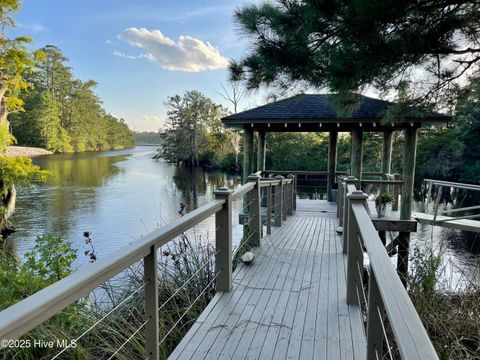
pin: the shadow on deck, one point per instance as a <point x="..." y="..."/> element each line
<point x="290" y="303"/>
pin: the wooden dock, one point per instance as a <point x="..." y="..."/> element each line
<point x="290" y="303"/>
<point x="448" y="222"/>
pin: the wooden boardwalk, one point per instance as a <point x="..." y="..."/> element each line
<point x="289" y="304"/>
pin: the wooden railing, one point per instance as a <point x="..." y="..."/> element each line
<point x="449" y="214"/>
<point x="22" y="317"/>
<point x="387" y="296"/>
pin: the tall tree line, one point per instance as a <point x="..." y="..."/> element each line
<point x="62" y="113"/>
<point x="196" y="135"/>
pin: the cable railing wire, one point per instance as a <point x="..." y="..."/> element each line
<point x="251" y="218"/>
<point x="389" y="348"/>
<point x="360" y="273"/>
<point x="185" y="283"/>
<point x="100" y="320"/>
<point x="188" y="309"/>
<point x="128" y="340"/>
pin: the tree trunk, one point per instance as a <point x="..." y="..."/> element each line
<point x="195" y="145"/>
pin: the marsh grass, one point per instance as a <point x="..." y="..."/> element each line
<point x="449" y="308"/>
<point x="186" y="285"/>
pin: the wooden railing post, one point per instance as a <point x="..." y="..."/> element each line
<point x="295" y="192"/>
<point x="278" y="202"/>
<point x="396" y="193"/>
<point x="284" y="200"/>
<point x="254" y="198"/>
<point x="223" y="241"/>
<point x="429" y="195"/>
<point x="340" y="202"/>
<point x="354" y="250"/>
<point x="269" y="209"/>
<point x="376" y="315"/>
<point x="348" y="180"/>
<point x="150" y="273"/>
<point x="291" y="195"/>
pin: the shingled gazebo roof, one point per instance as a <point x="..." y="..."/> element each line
<point x="312" y="112"/>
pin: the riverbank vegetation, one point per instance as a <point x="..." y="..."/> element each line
<point x="15" y="59"/>
<point x="449" y="306"/>
<point x="196" y="135"/>
<point x="147" y="138"/>
<point x="62" y="113"/>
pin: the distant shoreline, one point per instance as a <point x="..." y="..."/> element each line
<point x="26" y="151"/>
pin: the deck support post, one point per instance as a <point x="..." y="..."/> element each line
<point x="356" y="155"/>
<point x="247" y="153"/>
<point x="150" y="274"/>
<point x="277" y="208"/>
<point x="254" y="198"/>
<point x="396" y="192"/>
<point x="269" y="209"/>
<point x="261" y="151"/>
<point x="408" y="177"/>
<point x="332" y="162"/>
<point x="376" y="315"/>
<point x="348" y="180"/>
<point x="354" y="250"/>
<point x="386" y="157"/>
<point x="291" y="195"/>
<point x="284" y="200"/>
<point x="223" y="241"/>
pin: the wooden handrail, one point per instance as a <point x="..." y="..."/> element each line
<point x="453" y="184"/>
<point x="386" y="295"/>
<point x="411" y="337"/>
<point x="25" y="315"/>
<point x="382" y="182"/>
<point x="245" y="188"/>
<point x="34" y="310"/>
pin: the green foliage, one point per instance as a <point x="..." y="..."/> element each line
<point x="147" y="138"/>
<point x="454" y="153"/>
<point x="449" y="312"/>
<point x="19" y="171"/>
<point x="196" y="135"/>
<point x="62" y="113"/>
<point x="347" y="46"/>
<point x="297" y="151"/>
<point x="50" y="260"/>
<point x="385" y="198"/>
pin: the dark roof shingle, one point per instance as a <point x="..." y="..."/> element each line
<point x="321" y="107"/>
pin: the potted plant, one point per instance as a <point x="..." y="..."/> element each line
<point x="381" y="203"/>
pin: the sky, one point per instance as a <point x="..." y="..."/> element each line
<point x="140" y="52"/>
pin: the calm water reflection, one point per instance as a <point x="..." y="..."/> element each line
<point x="117" y="196"/>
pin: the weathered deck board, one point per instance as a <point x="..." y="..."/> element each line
<point x="289" y="304"/>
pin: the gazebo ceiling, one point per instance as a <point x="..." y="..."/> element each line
<point x="317" y="112"/>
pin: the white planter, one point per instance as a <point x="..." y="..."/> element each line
<point x="381" y="210"/>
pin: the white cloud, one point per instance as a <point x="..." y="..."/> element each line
<point x="122" y="54"/>
<point x="108" y="42"/>
<point x="187" y="54"/>
<point x="147" y="123"/>
<point x="35" y="28"/>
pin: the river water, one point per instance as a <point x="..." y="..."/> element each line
<point x="118" y="196"/>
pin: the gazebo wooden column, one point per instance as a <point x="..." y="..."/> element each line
<point x="261" y="152"/>
<point x="386" y="155"/>
<point x="247" y="153"/>
<point x="356" y="154"/>
<point x="409" y="155"/>
<point x="332" y="162"/>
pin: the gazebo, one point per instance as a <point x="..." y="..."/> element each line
<point x="319" y="113"/>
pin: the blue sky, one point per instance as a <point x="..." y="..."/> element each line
<point x="140" y="52"/>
